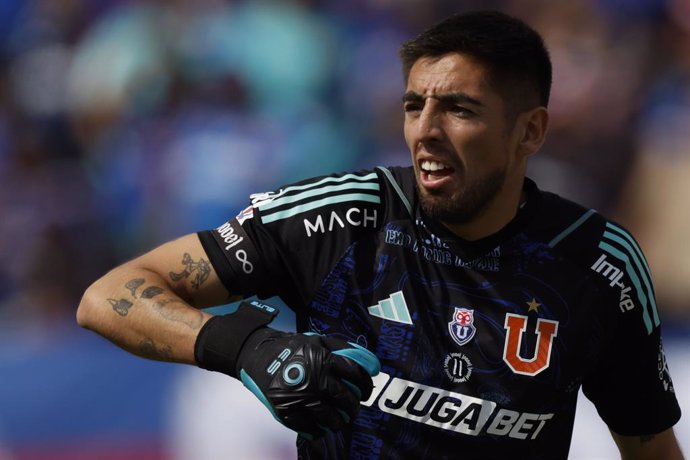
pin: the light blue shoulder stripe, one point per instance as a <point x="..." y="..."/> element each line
<point x="635" y="280"/>
<point x="397" y="188"/>
<point x="571" y="228"/>
<point x="326" y="180"/>
<point x="317" y="204"/>
<point x="319" y="191"/>
<point x="634" y="245"/>
<point x="643" y="274"/>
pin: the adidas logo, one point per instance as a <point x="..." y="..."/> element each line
<point x="393" y="308"/>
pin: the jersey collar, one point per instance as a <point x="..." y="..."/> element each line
<point x="471" y="249"/>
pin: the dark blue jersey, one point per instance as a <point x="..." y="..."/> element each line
<point x="483" y="344"/>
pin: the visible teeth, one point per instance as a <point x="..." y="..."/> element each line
<point x="432" y="165"/>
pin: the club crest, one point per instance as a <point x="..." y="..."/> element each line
<point x="462" y="328"/>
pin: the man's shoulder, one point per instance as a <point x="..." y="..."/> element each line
<point x="337" y="203"/>
<point x="401" y="190"/>
<point x="569" y="228"/>
<point x="570" y="223"/>
<point x="315" y="194"/>
<point x="608" y="250"/>
<point x="401" y="175"/>
<point x="583" y="234"/>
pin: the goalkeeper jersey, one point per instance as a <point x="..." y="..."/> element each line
<point x="483" y="344"/>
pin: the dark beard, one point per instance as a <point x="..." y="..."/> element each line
<point x="466" y="207"/>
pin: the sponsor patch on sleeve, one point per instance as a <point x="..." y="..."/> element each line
<point x="238" y="248"/>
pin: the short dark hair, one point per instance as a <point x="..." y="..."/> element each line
<point x="514" y="54"/>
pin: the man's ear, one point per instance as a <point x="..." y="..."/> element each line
<point x="531" y="127"/>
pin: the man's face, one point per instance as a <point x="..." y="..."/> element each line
<point x="458" y="134"/>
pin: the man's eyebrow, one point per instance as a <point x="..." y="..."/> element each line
<point x="450" y="98"/>
<point x="411" y="96"/>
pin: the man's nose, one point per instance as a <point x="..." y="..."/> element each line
<point x="430" y="124"/>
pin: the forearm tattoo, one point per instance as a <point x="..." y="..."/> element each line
<point x="121" y="306"/>
<point x="151" y="292"/>
<point x="148" y="349"/>
<point x="174" y="310"/>
<point x="133" y="285"/>
<point x="200" y="269"/>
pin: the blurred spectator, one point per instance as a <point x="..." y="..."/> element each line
<point x="598" y="75"/>
<point x="141" y="120"/>
<point x="655" y="203"/>
<point x="44" y="197"/>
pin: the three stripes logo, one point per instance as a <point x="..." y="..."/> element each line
<point x="298" y="199"/>
<point x="620" y="245"/>
<point x="394" y="308"/>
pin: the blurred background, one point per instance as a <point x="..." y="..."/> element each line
<point x="126" y="123"/>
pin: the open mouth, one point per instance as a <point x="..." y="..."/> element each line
<point x="434" y="174"/>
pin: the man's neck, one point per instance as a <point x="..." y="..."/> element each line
<point x="496" y="216"/>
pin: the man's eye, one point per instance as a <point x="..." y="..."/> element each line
<point x="459" y="110"/>
<point x="411" y="107"/>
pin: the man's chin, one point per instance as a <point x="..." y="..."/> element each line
<point x="465" y="205"/>
<point x="449" y="210"/>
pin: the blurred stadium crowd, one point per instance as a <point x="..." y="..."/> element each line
<point x="126" y="123"/>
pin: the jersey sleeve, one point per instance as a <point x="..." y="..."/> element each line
<point x="631" y="385"/>
<point x="284" y="243"/>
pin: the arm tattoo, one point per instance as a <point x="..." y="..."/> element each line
<point x="167" y="309"/>
<point x="121" y="306"/>
<point x="201" y="269"/>
<point x="150" y="292"/>
<point x="148" y="349"/>
<point x="133" y="285"/>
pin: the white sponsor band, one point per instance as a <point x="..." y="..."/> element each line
<point x="452" y="411"/>
<point x="229" y="236"/>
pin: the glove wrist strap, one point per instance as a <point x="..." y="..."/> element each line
<point x="221" y="339"/>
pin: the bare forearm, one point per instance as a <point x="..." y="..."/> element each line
<point x="139" y="311"/>
<point x="662" y="445"/>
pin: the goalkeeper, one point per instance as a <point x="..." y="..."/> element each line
<point x="448" y="309"/>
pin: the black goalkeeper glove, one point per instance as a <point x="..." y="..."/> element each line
<point x="310" y="383"/>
